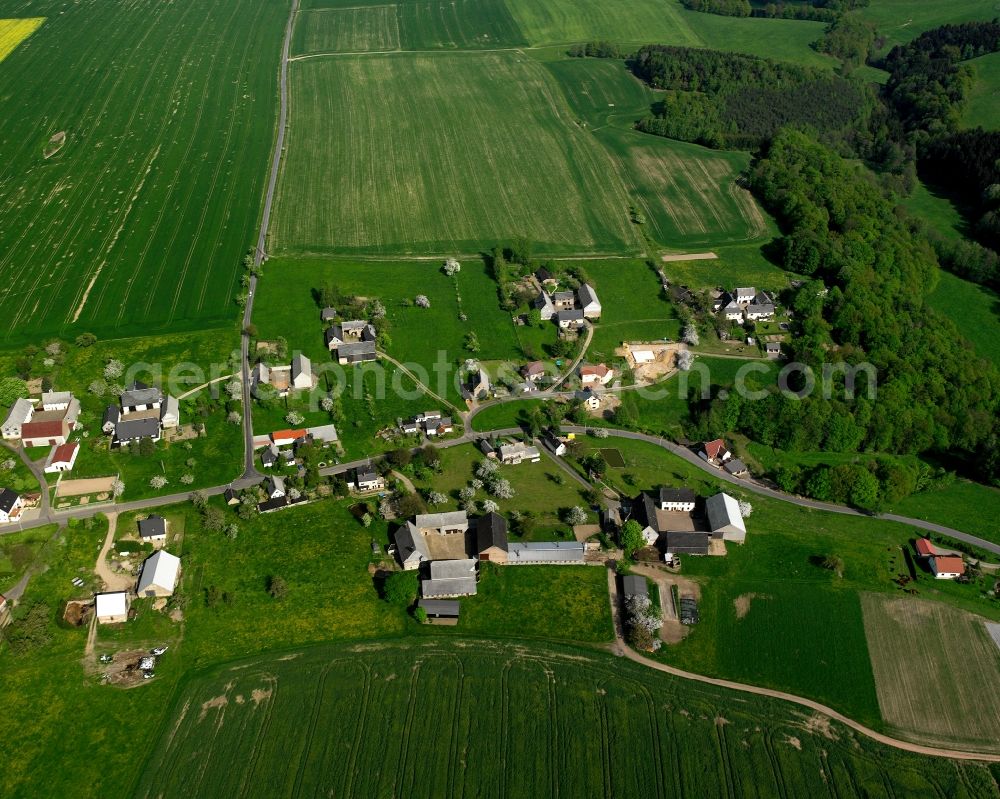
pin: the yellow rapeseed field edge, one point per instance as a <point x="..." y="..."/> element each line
<point x="15" y="31"/>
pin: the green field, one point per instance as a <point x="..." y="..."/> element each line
<point x="420" y="25"/>
<point x="423" y="714"/>
<point x="937" y="671"/>
<point x="974" y="309"/>
<point x="139" y="221"/>
<point x="962" y="505"/>
<point x="937" y="210"/>
<point x="899" y="21"/>
<point x="983" y="109"/>
<point x="564" y="21"/>
<point x="439" y="153"/>
<point x="737" y="265"/>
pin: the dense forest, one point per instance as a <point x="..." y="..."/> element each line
<point x="871" y="270"/>
<point x="730" y="100"/>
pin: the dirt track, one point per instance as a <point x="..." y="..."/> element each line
<point x="621" y="648"/>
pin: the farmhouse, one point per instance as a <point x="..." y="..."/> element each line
<point x="62" y="458"/>
<point x="947" y="567"/>
<point x="677" y="499"/>
<point x="685" y="542"/>
<point x="518" y="452"/>
<point x="491" y="538"/>
<point x="446" y="523"/>
<point x="925" y="549"/>
<point x="143" y="412"/>
<point x="159" y="575"/>
<point x="598" y="375"/>
<point x="111" y="608"/>
<point x="715" y="452"/>
<point x="269" y="456"/>
<point x="449" y="578"/>
<point x="564" y="300"/>
<point x="561" y="553"/>
<point x="283" y="438"/>
<point x="724" y="517"/>
<point x="367" y="479"/>
<point x="440" y="611"/>
<point x="11" y="505"/>
<point x="53" y="424"/>
<point x="327" y="315"/>
<point x="744" y="296"/>
<point x="588" y="302"/>
<point x="411" y="548"/>
<point x="231" y="497"/>
<point x="352" y="341"/>
<point x="153" y="528"/>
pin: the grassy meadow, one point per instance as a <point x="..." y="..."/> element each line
<point x="983" y="108"/>
<point x="438" y="153"/>
<point x="974" y="309"/>
<point x="430" y="710"/>
<point x="900" y="21"/>
<point x="135" y="150"/>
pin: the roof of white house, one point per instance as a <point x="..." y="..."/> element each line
<point x="454" y="518"/>
<point x="171" y="407"/>
<point x="159" y="570"/>
<point x="324" y="432"/>
<point x="587" y="295"/>
<point x="724" y="513"/>
<point x="56" y="397"/>
<point x="115" y="604"/>
<point x="19" y="411"/>
<point x="301" y="365"/>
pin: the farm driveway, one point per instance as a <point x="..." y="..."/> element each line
<point x="112" y="581"/>
<point x="619" y="647"/>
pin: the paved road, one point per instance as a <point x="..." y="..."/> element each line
<point x="763" y="490"/>
<point x="249" y="469"/>
<point x="621" y="648"/>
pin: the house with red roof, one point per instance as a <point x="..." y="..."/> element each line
<point x="282" y="438"/>
<point x="925" y="549"/>
<point x="947" y="567"/>
<point x="62" y="458"/>
<point x="715" y="452"/>
<point x="598" y="375"/>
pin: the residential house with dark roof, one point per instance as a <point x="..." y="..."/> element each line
<point x="677" y="499"/>
<point x="570" y="319"/>
<point x="587" y="302"/>
<point x="153" y="528"/>
<point x="411" y="548"/>
<point x="736" y="467"/>
<point x="11" y="505"/>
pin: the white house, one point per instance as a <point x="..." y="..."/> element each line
<point x="62" y="458"/>
<point x="20" y="413"/>
<point x="274" y="486"/>
<point x="724" y="517"/>
<point x="572" y="318"/>
<point x="153" y="528"/>
<point x="543" y="303"/>
<point x="11" y="505"/>
<point x="446" y="523"/>
<point x="518" y="452"/>
<point x="159" y="575"/>
<point x="302" y="375"/>
<point x="56" y="400"/>
<point x="947" y="567"/>
<point x="411" y="548"/>
<point x="677" y="499"/>
<point x="588" y="302"/>
<point x="170" y="415"/>
<point x="589" y="399"/>
<point x="745" y="295"/>
<point x="732" y="312"/>
<point x="367" y="479"/>
<point x="597" y="375"/>
<point x="140" y="397"/>
<point x="111" y="608"/>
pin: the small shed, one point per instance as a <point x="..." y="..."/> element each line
<point x="634" y="585"/>
<point x="111" y="608"/>
<point x="440" y="611"/>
